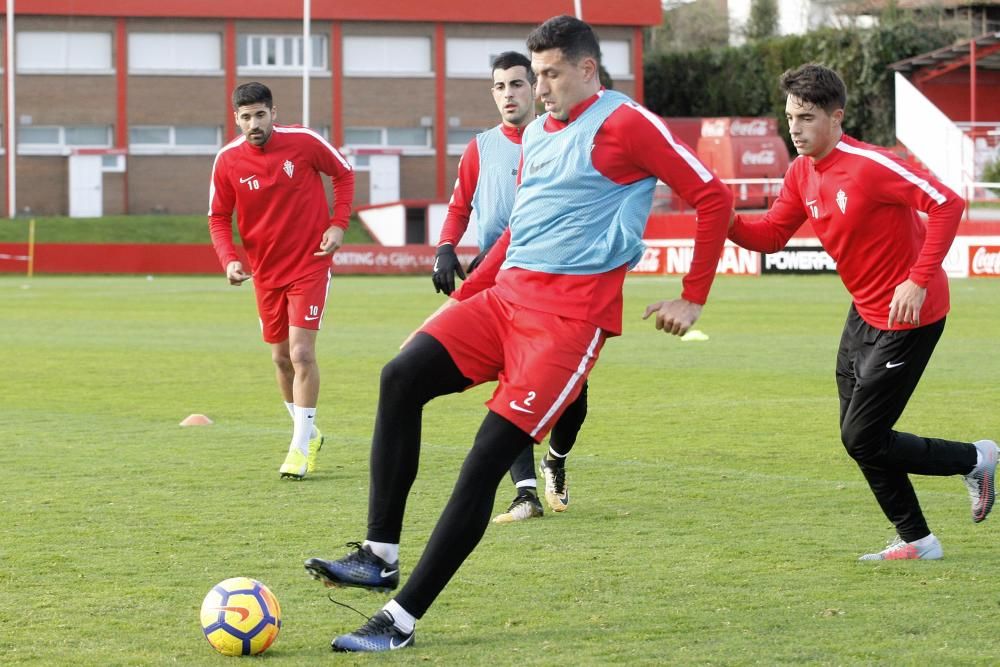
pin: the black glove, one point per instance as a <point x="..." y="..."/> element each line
<point x="446" y="265"/>
<point x="476" y="262"/>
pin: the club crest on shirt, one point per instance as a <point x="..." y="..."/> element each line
<point x="842" y="201"/>
<point x="290" y="168"/>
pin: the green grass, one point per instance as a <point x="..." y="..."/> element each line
<point x="131" y="229"/>
<point x="715" y="517"/>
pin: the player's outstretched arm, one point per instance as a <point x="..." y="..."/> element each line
<point x="674" y="317"/>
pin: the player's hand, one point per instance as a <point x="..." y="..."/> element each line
<point x="236" y="274"/>
<point x="333" y="238"/>
<point x="476" y="261"/>
<point x="446" y="265"/>
<point x="674" y="317"/>
<point x="906" y="303"/>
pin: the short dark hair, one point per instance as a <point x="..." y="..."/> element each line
<point x="509" y="59"/>
<point x="817" y="85"/>
<point x="572" y="36"/>
<point x="252" y="93"/>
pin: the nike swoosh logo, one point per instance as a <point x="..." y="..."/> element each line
<point x="889" y="364"/>
<point x="393" y="645"/>
<point x="536" y="167"/>
<point x="242" y="611"/>
<point x="310" y="319"/>
<point x="810" y="202"/>
<point x="387" y="573"/>
<point x="244" y="180"/>
<point x="435" y="266"/>
<point x="515" y="406"/>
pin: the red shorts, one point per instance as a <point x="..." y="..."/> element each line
<point x="299" y="304"/>
<point x="540" y="359"/>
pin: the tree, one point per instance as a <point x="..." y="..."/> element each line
<point x="691" y="25"/>
<point x="743" y="81"/>
<point x="763" y="21"/>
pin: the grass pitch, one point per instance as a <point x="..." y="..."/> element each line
<point x="715" y="518"/>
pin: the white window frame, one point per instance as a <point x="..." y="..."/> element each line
<point x="284" y="69"/>
<point x="354" y="45"/>
<point x="173" y="71"/>
<point x="469" y="57"/>
<point x="358" y="162"/>
<point x="60" y="147"/>
<point x="68" y="67"/>
<point x="406" y="149"/>
<point x="459" y="149"/>
<point x="119" y="163"/>
<point x="172" y="147"/>
<point x="616" y="46"/>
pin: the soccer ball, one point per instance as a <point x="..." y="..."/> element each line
<point x="240" y="616"/>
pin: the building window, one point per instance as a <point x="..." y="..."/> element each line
<point x="471" y="58"/>
<point x="280" y="52"/>
<point x="410" y="139"/>
<point x="387" y="56"/>
<point x="64" y="53"/>
<point x="361" y="136"/>
<point x="459" y="138"/>
<point x="60" y="139"/>
<point x="113" y="163"/>
<point x="174" y="140"/>
<point x="615" y="58"/>
<point x="359" y="162"/>
<point x="174" y="53"/>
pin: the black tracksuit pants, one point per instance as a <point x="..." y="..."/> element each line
<point x="877" y="372"/>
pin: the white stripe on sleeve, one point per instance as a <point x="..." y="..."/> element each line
<point x="703" y="173"/>
<point x="895" y="167"/>
<point x="211" y="183"/>
<point x="316" y="135"/>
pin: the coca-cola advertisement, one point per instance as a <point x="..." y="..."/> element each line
<point x="764" y="156"/>
<point x="984" y="260"/>
<point x="739" y="127"/>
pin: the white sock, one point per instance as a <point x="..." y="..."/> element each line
<point x="527" y="484"/>
<point x="303" y="419"/>
<point x="556" y="455"/>
<point x="384" y="550"/>
<point x="924" y="541"/>
<point x="404" y="620"/>
<point x="291" y="411"/>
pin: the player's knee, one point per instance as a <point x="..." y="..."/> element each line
<point x="302" y="355"/>
<point x="864" y="445"/>
<point x="399" y="377"/>
<point x="282" y="360"/>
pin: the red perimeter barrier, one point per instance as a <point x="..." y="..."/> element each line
<point x="351" y="259"/>
<point x="198" y="258"/>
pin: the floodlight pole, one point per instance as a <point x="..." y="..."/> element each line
<point x="11" y="119"/>
<point x="306" y="59"/>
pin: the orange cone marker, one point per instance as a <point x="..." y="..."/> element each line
<point x="196" y="420"/>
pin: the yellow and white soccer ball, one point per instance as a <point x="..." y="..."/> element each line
<point x="240" y="616"/>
